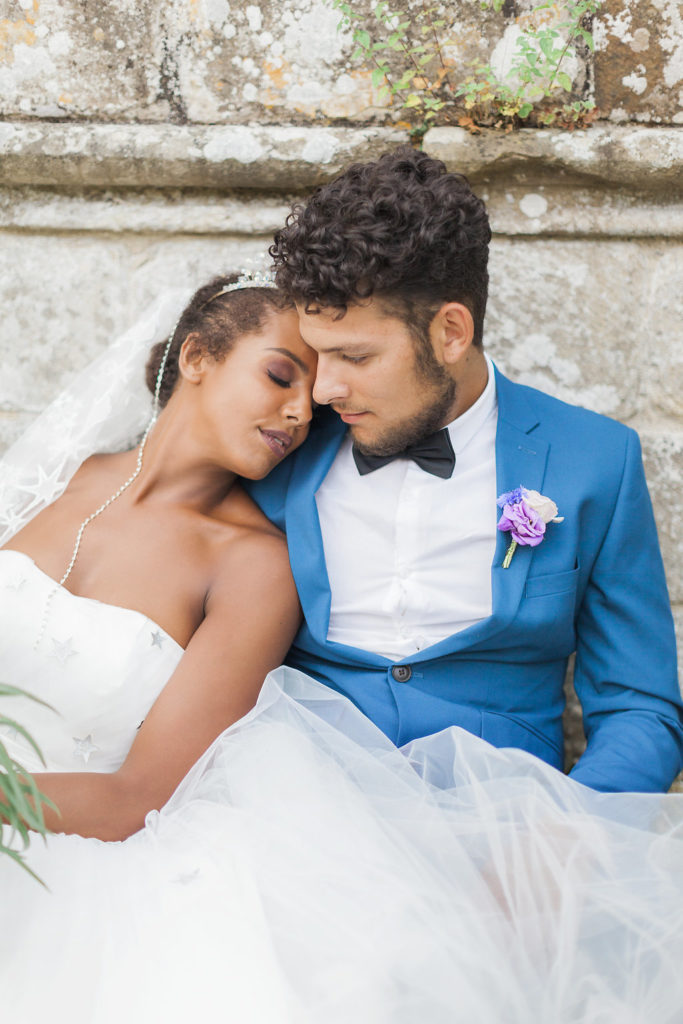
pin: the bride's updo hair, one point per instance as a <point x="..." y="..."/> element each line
<point x="218" y="320"/>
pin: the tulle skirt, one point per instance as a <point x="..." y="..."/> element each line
<point x="308" y="871"/>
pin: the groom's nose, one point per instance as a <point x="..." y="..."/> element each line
<point x="329" y="384"/>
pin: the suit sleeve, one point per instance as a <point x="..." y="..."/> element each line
<point x="626" y="676"/>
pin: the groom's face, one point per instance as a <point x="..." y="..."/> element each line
<point x="368" y="371"/>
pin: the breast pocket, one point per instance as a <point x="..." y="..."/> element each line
<point x="546" y="614"/>
<point x="552" y="583"/>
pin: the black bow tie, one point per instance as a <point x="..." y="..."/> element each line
<point x="434" y="454"/>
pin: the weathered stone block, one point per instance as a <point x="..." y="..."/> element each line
<point x="217" y="61"/>
<point x="663" y="457"/>
<point x="638" y="64"/>
<point x="159" y="156"/>
<point x="54" y="323"/>
<point x="71" y="59"/>
<point x="594" y="322"/>
<point x="605" y="153"/>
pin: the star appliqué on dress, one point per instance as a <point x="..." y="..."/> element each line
<point x="16" y="583"/>
<point x="186" y="877"/>
<point x="84" y="748"/>
<point x="157" y="638"/>
<point x="62" y="650"/>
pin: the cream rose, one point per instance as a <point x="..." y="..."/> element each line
<point x="546" y="507"/>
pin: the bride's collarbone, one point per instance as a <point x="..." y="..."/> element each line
<point x="157" y="557"/>
<point x="160" y="566"/>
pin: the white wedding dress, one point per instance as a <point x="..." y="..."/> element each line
<point x="307" y="871"/>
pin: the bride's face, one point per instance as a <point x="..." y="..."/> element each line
<point x="254" y="407"/>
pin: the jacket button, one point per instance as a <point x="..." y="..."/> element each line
<point x="401" y="673"/>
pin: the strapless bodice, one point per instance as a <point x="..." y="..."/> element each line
<point x="100" y="667"/>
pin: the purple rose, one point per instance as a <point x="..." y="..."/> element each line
<point x="522" y="521"/>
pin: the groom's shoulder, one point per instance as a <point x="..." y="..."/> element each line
<point x="565" y="422"/>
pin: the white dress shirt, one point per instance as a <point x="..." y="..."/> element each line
<point x="408" y="554"/>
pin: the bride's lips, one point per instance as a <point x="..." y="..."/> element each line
<point x="278" y="441"/>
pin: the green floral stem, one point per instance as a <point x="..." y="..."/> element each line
<point x="509" y="553"/>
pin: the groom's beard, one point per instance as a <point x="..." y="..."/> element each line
<point x="436" y="413"/>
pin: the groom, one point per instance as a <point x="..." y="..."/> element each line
<point x="393" y="507"/>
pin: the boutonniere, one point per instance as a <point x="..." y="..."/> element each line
<point x="525" y="517"/>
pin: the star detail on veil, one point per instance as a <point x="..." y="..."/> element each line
<point x="44" y="485"/>
<point x="10" y="522"/>
<point x="84" y="747"/>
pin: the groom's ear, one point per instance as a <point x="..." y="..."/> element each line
<point x="451" y="332"/>
<point x="192" y="359"/>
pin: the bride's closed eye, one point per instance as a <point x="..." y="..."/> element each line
<point x="279" y="380"/>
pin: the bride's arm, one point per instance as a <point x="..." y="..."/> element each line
<point x="252" y="613"/>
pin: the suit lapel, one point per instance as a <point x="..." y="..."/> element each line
<point x="304" y="537"/>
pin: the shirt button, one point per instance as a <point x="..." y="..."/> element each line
<point x="401" y="673"/>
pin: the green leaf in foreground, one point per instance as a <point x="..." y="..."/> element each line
<point x="21" y="801"/>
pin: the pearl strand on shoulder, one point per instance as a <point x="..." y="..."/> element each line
<point x="108" y="502"/>
<point x="138" y="465"/>
<point x="117" y="494"/>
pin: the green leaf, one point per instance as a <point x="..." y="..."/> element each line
<point x="22" y="732"/>
<point x="362" y="37"/>
<point x="14" y="691"/>
<point x="548" y="47"/>
<point x="406" y="79"/>
<point x="21" y="862"/>
<point x="377" y="77"/>
<point x="412" y="100"/>
<point x="525" y="110"/>
<point x="564" y="80"/>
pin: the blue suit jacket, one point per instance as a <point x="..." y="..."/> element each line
<point x="594" y="586"/>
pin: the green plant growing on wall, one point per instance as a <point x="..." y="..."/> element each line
<point x="410" y="61"/>
<point x="21" y="805"/>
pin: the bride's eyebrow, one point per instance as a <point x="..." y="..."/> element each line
<point x="295" y="359"/>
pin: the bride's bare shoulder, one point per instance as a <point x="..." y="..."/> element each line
<point x="240" y="510"/>
<point x="248" y="545"/>
<point x="250" y="560"/>
<point x="98" y="468"/>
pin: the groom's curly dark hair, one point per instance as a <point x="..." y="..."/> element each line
<point x="402" y="229"/>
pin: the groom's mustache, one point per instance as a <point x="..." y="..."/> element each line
<point x="345" y="409"/>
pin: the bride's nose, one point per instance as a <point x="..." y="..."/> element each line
<point x="299" y="406"/>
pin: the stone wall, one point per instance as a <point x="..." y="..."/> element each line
<point x="229" y="62"/>
<point x="149" y="143"/>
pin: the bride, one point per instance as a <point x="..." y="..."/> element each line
<point x="301" y="868"/>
